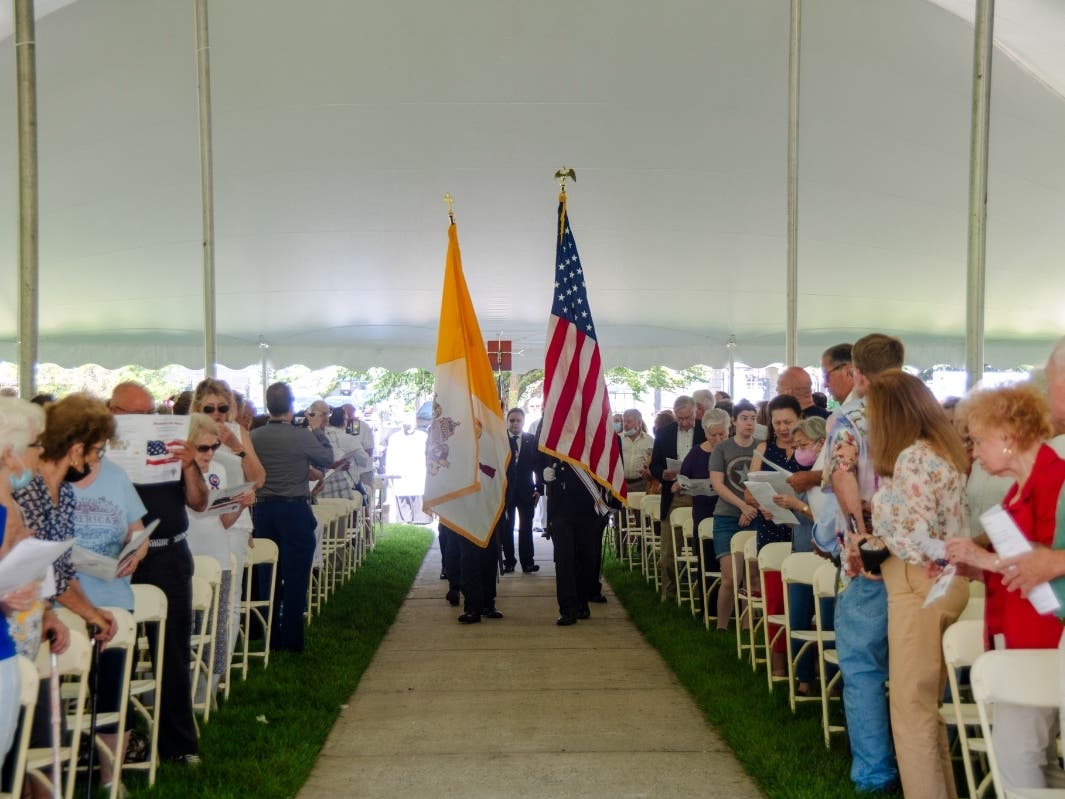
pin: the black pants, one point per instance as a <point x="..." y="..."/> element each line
<point x="290" y="525"/>
<point x="578" y="540"/>
<point x="451" y="554"/>
<point x="478" y="566"/>
<point x="170" y="569"/>
<point x="524" y="513"/>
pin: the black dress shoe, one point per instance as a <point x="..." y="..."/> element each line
<point x="443" y="575"/>
<point x="452" y="598"/>
<point x="534" y="568"/>
<point x="584" y="613"/>
<point x="508" y="569"/>
<point x="598" y="598"/>
<point x="470" y="618"/>
<point x="492" y="614"/>
<point x="565" y="621"/>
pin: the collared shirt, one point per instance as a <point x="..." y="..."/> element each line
<point x="287" y="453"/>
<point x="684" y="442"/>
<point x="636" y="453"/>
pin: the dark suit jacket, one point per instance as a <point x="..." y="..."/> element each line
<point x="521" y="473"/>
<point x="666" y="447"/>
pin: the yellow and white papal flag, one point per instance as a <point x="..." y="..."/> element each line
<point x="467" y="454"/>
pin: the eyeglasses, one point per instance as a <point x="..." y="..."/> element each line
<point x="212" y="408"/>
<point x="827" y="374"/>
<point x="208" y="447"/>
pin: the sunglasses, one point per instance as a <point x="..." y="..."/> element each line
<point x="312" y="414"/>
<point x="212" y="408"/>
<point x="208" y="447"/>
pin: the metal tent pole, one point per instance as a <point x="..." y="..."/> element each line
<point x="28" y="290"/>
<point x="791" y="332"/>
<point x="974" y="310"/>
<point x="203" y="82"/>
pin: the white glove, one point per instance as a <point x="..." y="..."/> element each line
<point x="549" y="474"/>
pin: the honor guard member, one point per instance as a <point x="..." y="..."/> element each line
<point x="577" y="511"/>
<point x="282" y="511"/>
<point x="478" y="566"/>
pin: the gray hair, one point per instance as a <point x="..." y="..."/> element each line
<point x="716" y="417"/>
<point x="21" y="422"/>
<point x="683" y="401"/>
<point x="704" y="398"/>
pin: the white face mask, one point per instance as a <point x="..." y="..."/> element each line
<point x="617" y="427"/>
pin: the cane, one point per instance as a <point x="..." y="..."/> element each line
<point x="94" y="670"/>
<point x="53" y="660"/>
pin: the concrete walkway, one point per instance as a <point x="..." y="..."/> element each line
<point x="520" y="707"/>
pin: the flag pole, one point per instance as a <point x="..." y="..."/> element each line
<point x="450" y="209"/>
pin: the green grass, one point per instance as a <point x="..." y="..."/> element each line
<point x="784" y="753"/>
<point x="300" y="695"/>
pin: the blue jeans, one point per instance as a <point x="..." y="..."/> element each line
<point x="862" y="645"/>
<point x="724" y="528"/>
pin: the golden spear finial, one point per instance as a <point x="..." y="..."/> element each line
<point x="450" y="211"/>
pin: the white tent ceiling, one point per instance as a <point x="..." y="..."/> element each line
<point x="338" y="126"/>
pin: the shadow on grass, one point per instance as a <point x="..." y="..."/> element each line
<point x="299" y="695"/>
<point x="784" y="753"/>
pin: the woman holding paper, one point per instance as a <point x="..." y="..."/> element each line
<point x="921" y="462"/>
<point x="107" y="515"/>
<point x="1008" y="427"/>
<point x="217" y="535"/>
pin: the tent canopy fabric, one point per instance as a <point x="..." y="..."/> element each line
<point x="339" y="126"/>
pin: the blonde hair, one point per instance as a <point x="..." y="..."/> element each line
<point x="210" y="385"/>
<point x="200" y="423"/>
<point x="1021" y="411"/>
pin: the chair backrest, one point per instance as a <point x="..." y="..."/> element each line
<point x="125" y="627"/>
<point x="750" y="548"/>
<point x="651" y="507"/>
<point x="825" y="581"/>
<point x="208" y="568"/>
<point x="29" y="681"/>
<point x="738" y="545"/>
<point x="634" y="499"/>
<point x="963" y="643"/>
<point x="772" y="556"/>
<point x="1026" y="677"/>
<point x="677" y="516"/>
<point x="800" y="567"/>
<point x="73" y="661"/>
<point x="263" y="551"/>
<point x="202" y="593"/>
<point x="149" y="603"/>
<point x="706" y="529"/>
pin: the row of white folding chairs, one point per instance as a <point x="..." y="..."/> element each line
<point x="345" y="539"/>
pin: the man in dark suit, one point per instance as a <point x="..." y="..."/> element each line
<point x="522" y="493"/>
<point x="675" y="441"/>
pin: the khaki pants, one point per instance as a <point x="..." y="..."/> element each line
<point x="918" y="676"/>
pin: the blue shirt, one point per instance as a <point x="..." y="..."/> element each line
<point x="103" y="512"/>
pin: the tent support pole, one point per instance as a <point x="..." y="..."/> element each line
<point x="974" y="311"/>
<point x="28" y="289"/>
<point x="203" y="83"/>
<point x="791" y="333"/>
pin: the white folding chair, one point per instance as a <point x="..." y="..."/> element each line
<point x="684" y="560"/>
<point x="709" y="573"/>
<point x="651" y="509"/>
<point x="770" y="560"/>
<point x="740" y="604"/>
<point x="798" y="569"/>
<point x="755" y="603"/>
<point x="963" y="643"/>
<point x="1024" y="677"/>
<point x="205" y="623"/>
<point x="124" y="641"/>
<point x="263" y="554"/>
<point x="73" y="668"/>
<point x="29" y="684"/>
<point x="149" y="613"/>
<point x="825" y="591"/>
<point x="631" y="530"/>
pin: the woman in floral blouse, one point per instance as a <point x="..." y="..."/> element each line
<point x="920" y="502"/>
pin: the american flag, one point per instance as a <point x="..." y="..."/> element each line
<point x="158" y="453"/>
<point x="577" y="425"/>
